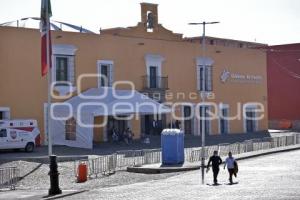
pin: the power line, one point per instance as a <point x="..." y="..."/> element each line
<point x="288" y="71"/>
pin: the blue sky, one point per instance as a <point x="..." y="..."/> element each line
<point x="264" y="21"/>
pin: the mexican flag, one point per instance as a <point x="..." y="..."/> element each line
<point x="46" y="13"/>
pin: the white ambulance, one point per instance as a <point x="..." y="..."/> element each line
<point x="18" y="134"/>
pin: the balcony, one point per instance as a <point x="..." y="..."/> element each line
<point x="155" y="83"/>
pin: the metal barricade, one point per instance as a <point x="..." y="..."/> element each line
<point x="249" y="146"/>
<point x="290" y="140"/>
<point x="195" y="155"/>
<point x="210" y="150"/>
<point x="104" y="165"/>
<point x="9" y="177"/>
<point x="223" y="149"/>
<point x="234" y="148"/>
<point x="152" y="156"/>
<point x="297" y="138"/>
<point x="130" y="158"/>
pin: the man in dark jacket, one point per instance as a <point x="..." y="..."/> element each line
<point x="216" y="161"/>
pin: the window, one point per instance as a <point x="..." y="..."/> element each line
<point x="105" y="71"/>
<point x="187" y="112"/>
<point x="153" y="77"/>
<point x="204" y="109"/>
<point x="224" y="123"/>
<point x="153" y="69"/>
<point x="4" y="113"/>
<point x="204" y="73"/>
<point x="3" y="133"/>
<point x="70" y="129"/>
<point x="62" y="69"/>
<point x="64" y="64"/>
<point x="250" y="120"/>
<point x="205" y="78"/>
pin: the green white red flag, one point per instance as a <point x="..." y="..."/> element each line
<point x="46" y="49"/>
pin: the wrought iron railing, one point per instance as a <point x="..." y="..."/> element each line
<point x="155" y="82"/>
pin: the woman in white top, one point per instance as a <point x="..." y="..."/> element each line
<point x="229" y="162"/>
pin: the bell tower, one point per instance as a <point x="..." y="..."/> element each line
<point x="149" y="16"/>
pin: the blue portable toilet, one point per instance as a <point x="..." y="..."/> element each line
<point x="172" y="144"/>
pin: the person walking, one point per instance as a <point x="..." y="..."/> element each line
<point x="216" y="161"/>
<point x="230" y="163"/>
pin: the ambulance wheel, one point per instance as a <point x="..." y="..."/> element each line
<point x="29" y="147"/>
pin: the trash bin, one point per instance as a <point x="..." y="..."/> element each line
<point x="82" y="173"/>
<point x="172" y="144"/>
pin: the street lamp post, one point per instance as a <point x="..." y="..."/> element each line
<point x="203" y="111"/>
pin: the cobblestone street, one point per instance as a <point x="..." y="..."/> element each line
<point x="271" y="177"/>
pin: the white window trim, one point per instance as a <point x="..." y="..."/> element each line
<point x="221" y="105"/>
<point x="110" y="63"/>
<point x="154" y="60"/>
<point x="250" y="106"/>
<point x="202" y="62"/>
<point x="63" y="50"/>
<point x="6" y="111"/>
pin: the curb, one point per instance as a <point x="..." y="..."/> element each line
<point x="45" y="159"/>
<point x="157" y="169"/>
<point x="64" y="195"/>
<point x="268" y="152"/>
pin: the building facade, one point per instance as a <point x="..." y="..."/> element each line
<point x="283" y="64"/>
<point x="161" y="64"/>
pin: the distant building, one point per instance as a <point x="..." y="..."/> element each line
<point x="160" y="63"/>
<point x="284" y="85"/>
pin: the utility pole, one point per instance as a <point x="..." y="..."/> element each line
<point x="203" y="91"/>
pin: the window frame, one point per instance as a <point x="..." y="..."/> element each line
<point x="221" y="107"/>
<point x="1" y="133"/>
<point x="250" y="107"/>
<point x="68" y="51"/>
<point x="204" y="73"/>
<point x="6" y="113"/>
<point x="70" y="129"/>
<point x="154" y="60"/>
<point x="110" y="72"/>
<point x="67" y="70"/>
<point x="205" y="76"/>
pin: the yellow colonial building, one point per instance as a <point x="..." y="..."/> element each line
<point x="163" y="65"/>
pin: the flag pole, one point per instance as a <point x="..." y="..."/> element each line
<point x="49" y="83"/>
<point x="53" y="173"/>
